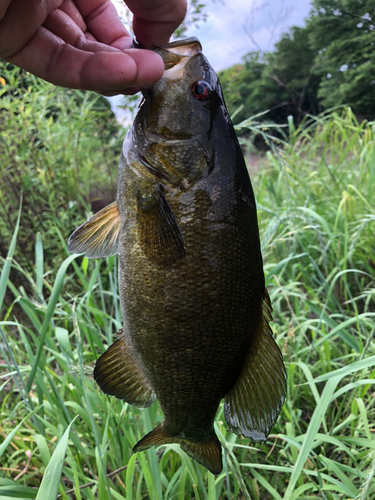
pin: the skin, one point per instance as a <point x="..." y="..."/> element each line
<point x="83" y="44"/>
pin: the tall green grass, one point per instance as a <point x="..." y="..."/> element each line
<point x="58" y="147"/>
<point x="317" y="218"/>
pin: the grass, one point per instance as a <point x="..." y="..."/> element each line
<point x="60" y="148"/>
<point x="317" y="216"/>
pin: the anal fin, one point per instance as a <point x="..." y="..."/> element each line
<point x="118" y="374"/>
<point x="253" y="404"/>
<point x="206" y="453"/>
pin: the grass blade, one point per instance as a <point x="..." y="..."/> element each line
<point x="39" y="261"/>
<point x="50" y="309"/>
<point x="347" y="370"/>
<point x="51" y="479"/>
<point x="366" y="485"/>
<point x="312" y="430"/>
<point x="9" y="438"/>
<point x="8" y="261"/>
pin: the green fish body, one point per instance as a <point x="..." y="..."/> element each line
<point x="195" y="309"/>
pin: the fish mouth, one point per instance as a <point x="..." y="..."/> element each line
<point x="175" y="56"/>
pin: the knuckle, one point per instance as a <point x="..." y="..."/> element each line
<point x="53" y="61"/>
<point x="19" y="23"/>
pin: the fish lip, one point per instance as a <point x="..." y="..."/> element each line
<point x="177" y="72"/>
<point x="176" y="55"/>
<point x="181" y="43"/>
<point x="170" y="45"/>
<point x="179" y="50"/>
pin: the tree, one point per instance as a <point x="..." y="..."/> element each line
<point x="329" y="62"/>
<point x="342" y="32"/>
<point x="246" y="91"/>
<point x="292" y="66"/>
<point x="282" y="81"/>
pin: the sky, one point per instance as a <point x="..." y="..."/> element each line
<point x="235" y="27"/>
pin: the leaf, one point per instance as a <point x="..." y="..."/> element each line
<point x="62" y="336"/>
<point x="8" y="261"/>
<point x="50" y="483"/>
<point x="16" y="492"/>
<point x="49" y="312"/>
<point x="311" y="433"/>
<point x="39" y="259"/>
<point x="9" y="438"/>
<point x="347" y="370"/>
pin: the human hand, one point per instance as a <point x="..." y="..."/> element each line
<point x="83" y="43"/>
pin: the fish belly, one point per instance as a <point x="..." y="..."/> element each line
<point x="190" y="323"/>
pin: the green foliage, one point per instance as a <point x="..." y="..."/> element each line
<point x="283" y="82"/>
<point x="292" y="67"/>
<point x="247" y="90"/>
<point x="328" y="63"/>
<point x="60" y="149"/>
<point x="51" y="478"/>
<point x="196" y="13"/>
<point x="317" y="217"/>
<point x="343" y="34"/>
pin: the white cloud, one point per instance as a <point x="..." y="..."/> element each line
<point x="224" y="36"/>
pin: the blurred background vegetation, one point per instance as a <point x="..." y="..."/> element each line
<point x="329" y="62"/>
<point x="306" y="114"/>
<point x="59" y="148"/>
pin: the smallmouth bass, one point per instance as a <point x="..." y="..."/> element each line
<point x="195" y="309"/>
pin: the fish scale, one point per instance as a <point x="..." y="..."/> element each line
<point x="195" y="308"/>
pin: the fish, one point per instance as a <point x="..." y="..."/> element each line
<point x="196" y="312"/>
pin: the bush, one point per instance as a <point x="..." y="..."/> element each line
<point x="59" y="149"/>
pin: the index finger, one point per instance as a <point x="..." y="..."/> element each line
<point x="48" y="57"/>
<point x="103" y="22"/>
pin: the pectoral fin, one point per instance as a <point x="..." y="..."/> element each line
<point x="253" y="404"/>
<point x="99" y="235"/>
<point x="118" y="374"/>
<point x="158" y="231"/>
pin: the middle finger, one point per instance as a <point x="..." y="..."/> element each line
<point x="62" y="25"/>
<point x="103" y="22"/>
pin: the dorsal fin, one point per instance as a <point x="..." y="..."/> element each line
<point x="253" y="404"/>
<point x="98" y="236"/>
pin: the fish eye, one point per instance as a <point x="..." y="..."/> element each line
<point x="201" y="90"/>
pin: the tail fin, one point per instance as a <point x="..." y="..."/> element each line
<point x="206" y="453"/>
